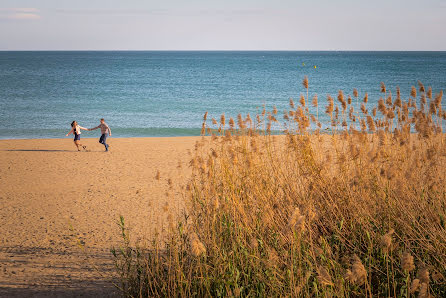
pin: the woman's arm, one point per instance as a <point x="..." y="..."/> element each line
<point x="71" y="131"/>
<point x="80" y="127"/>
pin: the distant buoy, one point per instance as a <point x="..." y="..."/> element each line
<point x="303" y="64"/>
<point x="315" y="66"/>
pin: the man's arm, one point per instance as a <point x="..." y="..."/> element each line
<point x="109" y="130"/>
<point x="94" y="128"/>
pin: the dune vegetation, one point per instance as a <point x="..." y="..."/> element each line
<point x="357" y="209"/>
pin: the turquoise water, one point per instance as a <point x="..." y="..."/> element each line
<point x="143" y="94"/>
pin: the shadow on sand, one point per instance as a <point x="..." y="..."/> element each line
<point x="46" y="272"/>
<point x="47" y="150"/>
<point x="57" y="292"/>
<point x="39" y="150"/>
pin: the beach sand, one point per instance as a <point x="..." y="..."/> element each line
<point x="59" y="208"/>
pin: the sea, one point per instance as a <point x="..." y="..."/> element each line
<point x="166" y="93"/>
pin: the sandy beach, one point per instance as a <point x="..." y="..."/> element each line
<point x="59" y="208"/>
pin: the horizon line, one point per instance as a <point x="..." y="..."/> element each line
<point x="198" y="50"/>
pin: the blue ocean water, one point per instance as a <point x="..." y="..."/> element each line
<point x="143" y="94"/>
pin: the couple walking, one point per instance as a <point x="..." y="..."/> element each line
<point x="76" y="131"/>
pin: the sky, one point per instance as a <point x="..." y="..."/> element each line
<point x="223" y="25"/>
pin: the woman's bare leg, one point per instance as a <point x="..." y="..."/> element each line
<point x="78" y="145"/>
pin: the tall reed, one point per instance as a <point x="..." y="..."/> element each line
<point x="356" y="212"/>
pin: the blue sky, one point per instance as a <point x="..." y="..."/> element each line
<point x="222" y="25"/>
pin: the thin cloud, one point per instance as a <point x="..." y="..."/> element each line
<point x="19" y="13"/>
<point x="172" y="12"/>
<point x="23" y="16"/>
<point x="111" y="11"/>
<point x="19" y="10"/>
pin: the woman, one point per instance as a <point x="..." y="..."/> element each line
<point x="76" y="130"/>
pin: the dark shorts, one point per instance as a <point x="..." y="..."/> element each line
<point x="103" y="138"/>
<point x="77" y="137"/>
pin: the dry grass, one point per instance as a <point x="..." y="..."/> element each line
<point x="356" y="212"/>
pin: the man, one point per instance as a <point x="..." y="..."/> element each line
<point x="105" y="131"/>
